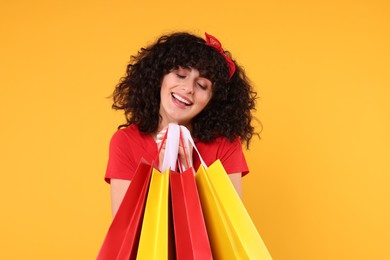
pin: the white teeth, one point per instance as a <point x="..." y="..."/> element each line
<point x="181" y="99"/>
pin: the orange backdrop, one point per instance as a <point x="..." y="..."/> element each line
<point x="319" y="181"/>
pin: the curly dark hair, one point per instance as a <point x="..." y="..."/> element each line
<point x="228" y="113"/>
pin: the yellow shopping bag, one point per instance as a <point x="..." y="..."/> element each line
<point x="154" y="238"/>
<point x="232" y="232"/>
<point x="157" y="239"/>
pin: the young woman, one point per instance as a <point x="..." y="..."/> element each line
<point x="186" y="80"/>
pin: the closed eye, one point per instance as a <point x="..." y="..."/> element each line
<point x="180" y="76"/>
<point x="202" y="86"/>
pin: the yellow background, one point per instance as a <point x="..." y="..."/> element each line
<point x="319" y="182"/>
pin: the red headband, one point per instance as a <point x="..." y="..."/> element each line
<point x="213" y="42"/>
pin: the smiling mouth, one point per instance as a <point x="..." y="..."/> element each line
<point x="182" y="100"/>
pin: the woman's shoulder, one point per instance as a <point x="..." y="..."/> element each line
<point x="130" y="133"/>
<point x="219" y="143"/>
<point x="131" y="138"/>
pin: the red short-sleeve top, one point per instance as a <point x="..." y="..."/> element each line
<point x="128" y="146"/>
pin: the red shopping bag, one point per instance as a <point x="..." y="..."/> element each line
<point x="121" y="241"/>
<point x="191" y="237"/>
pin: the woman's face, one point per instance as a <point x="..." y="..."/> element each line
<point x="184" y="94"/>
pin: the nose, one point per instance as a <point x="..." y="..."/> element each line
<point x="188" y="87"/>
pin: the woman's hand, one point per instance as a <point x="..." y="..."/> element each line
<point x="184" y="154"/>
<point x="159" y="138"/>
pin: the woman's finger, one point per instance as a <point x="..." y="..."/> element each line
<point x="160" y="136"/>
<point x="159" y="140"/>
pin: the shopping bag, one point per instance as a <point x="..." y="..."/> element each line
<point x="191" y="237"/>
<point x="233" y="235"/>
<point x="231" y="231"/>
<point x="155" y="240"/>
<point x="154" y="234"/>
<point x="121" y="241"/>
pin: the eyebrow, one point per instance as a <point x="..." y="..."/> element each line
<point x="202" y="73"/>
<point x="185" y="68"/>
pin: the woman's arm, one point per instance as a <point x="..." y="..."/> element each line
<point x="118" y="190"/>
<point x="237" y="183"/>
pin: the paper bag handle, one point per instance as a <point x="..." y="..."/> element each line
<point x="171" y="147"/>
<point x="188" y="138"/>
